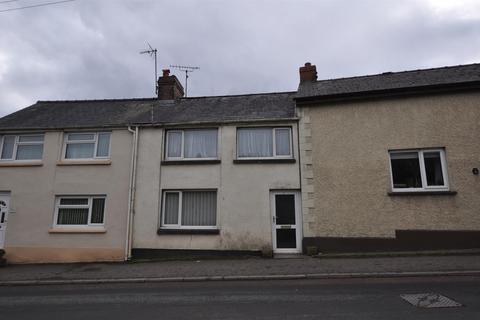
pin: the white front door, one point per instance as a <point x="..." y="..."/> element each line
<point x="4" y="205"/>
<point x="287" y="222"/>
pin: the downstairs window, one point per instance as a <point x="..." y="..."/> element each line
<point x="418" y="170"/>
<point x="189" y="209"/>
<point x="80" y="211"/>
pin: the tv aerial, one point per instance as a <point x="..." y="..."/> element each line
<point x="152" y="53"/>
<point x="185" y="69"/>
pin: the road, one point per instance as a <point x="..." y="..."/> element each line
<point x="286" y="299"/>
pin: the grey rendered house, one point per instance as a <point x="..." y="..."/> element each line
<point x="390" y="161"/>
<point x="213" y="172"/>
<point x="96" y="180"/>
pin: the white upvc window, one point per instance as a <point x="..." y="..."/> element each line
<point x="22" y="147"/>
<point x="189" y="209"/>
<point x="86" y="145"/>
<point x="264" y="143"/>
<point x="191" y="144"/>
<point x="72" y="211"/>
<point x="418" y="170"/>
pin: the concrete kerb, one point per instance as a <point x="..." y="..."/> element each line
<point x="243" y="278"/>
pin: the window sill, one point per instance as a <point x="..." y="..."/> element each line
<point x="244" y="161"/>
<point x="422" y="193"/>
<point x="181" y="162"/>
<point x="77" y="230"/>
<point x="21" y="164"/>
<point x="188" y="231"/>
<point x="83" y="162"/>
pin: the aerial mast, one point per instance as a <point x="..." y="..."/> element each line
<point x="185" y="69"/>
<point x="152" y="52"/>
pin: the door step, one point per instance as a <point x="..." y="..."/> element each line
<point x="288" y="256"/>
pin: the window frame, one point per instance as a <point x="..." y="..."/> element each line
<point x="179" y="226"/>
<point x="274" y="143"/>
<point x="423" y="175"/>
<point x="182" y="150"/>
<point x="89" y="206"/>
<point x="66" y="141"/>
<point x="17" y="142"/>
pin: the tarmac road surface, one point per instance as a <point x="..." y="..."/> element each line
<point x="278" y="299"/>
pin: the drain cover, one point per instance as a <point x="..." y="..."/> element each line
<point x="430" y="300"/>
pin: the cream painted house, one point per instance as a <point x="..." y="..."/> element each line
<point x="65" y="194"/>
<point x="390" y="161"/>
<point x="67" y="180"/>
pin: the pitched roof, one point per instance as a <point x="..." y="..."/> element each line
<point x="122" y="112"/>
<point x="390" y="82"/>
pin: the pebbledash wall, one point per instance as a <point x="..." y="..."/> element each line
<point x="244" y="216"/>
<point x="30" y="236"/>
<point x="346" y="173"/>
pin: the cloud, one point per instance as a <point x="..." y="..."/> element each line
<point x="90" y="49"/>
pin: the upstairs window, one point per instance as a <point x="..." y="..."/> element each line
<point x="419" y="170"/>
<point x="191" y="144"/>
<point x="80" y="211"/>
<point x="263" y="142"/>
<point x="87" y="145"/>
<point x="22" y="147"/>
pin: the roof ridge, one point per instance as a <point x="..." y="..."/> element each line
<point x="97" y="100"/>
<point x="399" y="72"/>
<point x="242" y="95"/>
<point x="156" y="99"/>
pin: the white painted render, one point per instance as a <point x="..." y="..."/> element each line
<point x="243" y="194"/>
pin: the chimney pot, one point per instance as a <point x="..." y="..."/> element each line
<point x="308" y="73"/>
<point x="166" y="72"/>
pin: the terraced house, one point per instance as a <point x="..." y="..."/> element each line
<point x="390" y="161"/>
<point x="97" y="180"/>
<point x="382" y="162"/>
<point x="65" y="185"/>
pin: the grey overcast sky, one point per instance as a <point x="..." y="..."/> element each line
<point x="89" y="49"/>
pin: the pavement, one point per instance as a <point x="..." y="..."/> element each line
<point x="301" y="267"/>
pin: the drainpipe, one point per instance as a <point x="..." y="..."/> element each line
<point x="131" y="194"/>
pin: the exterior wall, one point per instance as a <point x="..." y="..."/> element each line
<point x="243" y="195"/>
<point x="345" y="165"/>
<point x="30" y="237"/>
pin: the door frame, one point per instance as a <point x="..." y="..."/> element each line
<point x="4" y="229"/>
<point x="298" y="221"/>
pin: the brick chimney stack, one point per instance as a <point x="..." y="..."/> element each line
<point x="308" y="73"/>
<point x="169" y="88"/>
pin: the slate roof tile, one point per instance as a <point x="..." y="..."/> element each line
<point x="122" y="112"/>
<point x="462" y="74"/>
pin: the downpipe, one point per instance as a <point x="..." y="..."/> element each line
<point x="131" y="193"/>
